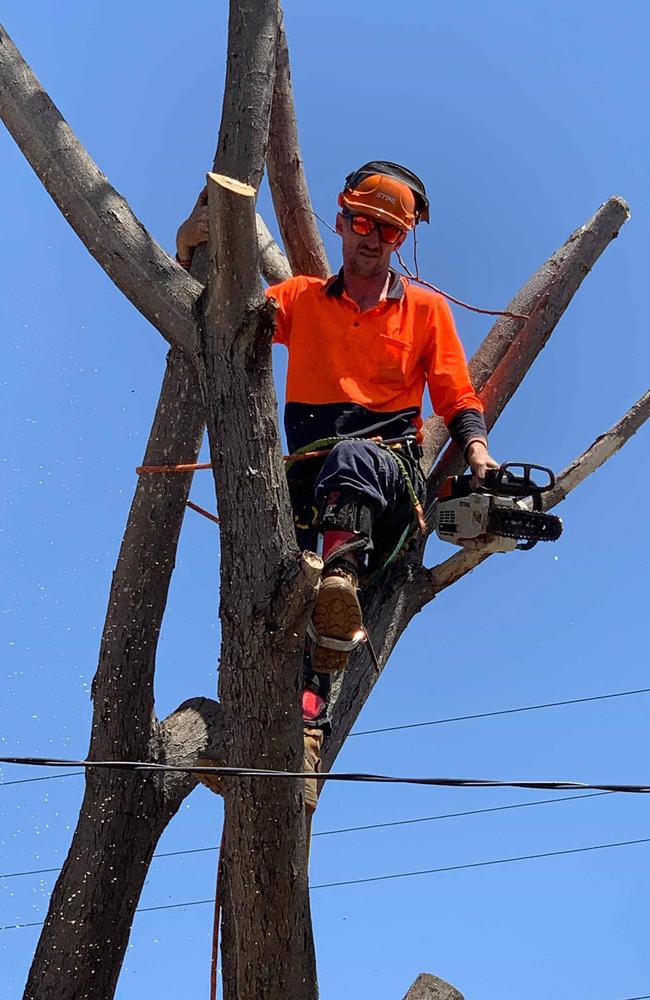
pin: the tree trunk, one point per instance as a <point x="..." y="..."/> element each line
<point x="428" y="987"/>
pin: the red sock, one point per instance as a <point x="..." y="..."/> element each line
<point x="332" y="540"/>
<point x="312" y="705"/>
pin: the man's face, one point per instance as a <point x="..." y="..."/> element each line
<point x="364" y="256"/>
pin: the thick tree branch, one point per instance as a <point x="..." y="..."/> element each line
<point x="141" y="582"/>
<point x="252" y="43"/>
<point x="511" y="346"/>
<point x="161" y="290"/>
<point x="287" y="178"/>
<point x="117" y="850"/>
<point x="274" y="266"/>
<point x="267" y="945"/>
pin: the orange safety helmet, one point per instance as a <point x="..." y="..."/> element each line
<point x="388" y="192"/>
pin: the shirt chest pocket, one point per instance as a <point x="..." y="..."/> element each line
<point x="394" y="358"/>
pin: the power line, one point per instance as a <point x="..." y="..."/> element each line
<point x="387" y="878"/>
<point x="357" y="829"/>
<point x="44" y="777"/>
<point x="417" y="725"/>
<point x="387" y="779"/>
<point x="503" y="711"/>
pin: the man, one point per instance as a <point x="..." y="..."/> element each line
<point x="361" y="347"/>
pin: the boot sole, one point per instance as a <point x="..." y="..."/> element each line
<point x="337" y="615"/>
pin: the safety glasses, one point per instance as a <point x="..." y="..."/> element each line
<point x="364" y="226"/>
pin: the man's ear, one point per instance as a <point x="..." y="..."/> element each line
<point x="339" y="223"/>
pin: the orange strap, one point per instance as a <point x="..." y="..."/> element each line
<point x="202" y="510"/>
<point x="198" y="466"/>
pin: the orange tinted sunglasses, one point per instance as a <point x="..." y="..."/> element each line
<point x="362" y="225"/>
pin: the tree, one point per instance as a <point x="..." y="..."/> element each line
<point x="219" y="371"/>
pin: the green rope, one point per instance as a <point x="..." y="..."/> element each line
<point x="392" y="557"/>
<point x="318" y="445"/>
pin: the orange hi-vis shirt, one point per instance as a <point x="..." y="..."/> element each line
<point x="379" y="359"/>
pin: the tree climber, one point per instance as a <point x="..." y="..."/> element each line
<point x="361" y="346"/>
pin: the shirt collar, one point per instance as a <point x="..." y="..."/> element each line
<point x="335" y="287"/>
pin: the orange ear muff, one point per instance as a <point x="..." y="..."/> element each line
<point x="340" y="200"/>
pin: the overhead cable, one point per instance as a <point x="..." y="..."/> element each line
<point x="355" y="829"/>
<point x="418" y="725"/>
<point x="502" y="711"/>
<point x="386" y="878"/>
<point x="258" y="772"/>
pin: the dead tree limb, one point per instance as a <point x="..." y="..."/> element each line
<point x="287" y="179"/>
<point x="161" y="290"/>
<point x="431" y="582"/>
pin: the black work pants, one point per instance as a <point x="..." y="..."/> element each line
<point x="371" y="471"/>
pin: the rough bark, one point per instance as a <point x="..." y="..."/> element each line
<point x="287" y="179"/>
<point x="265" y="601"/>
<point x="428" y="987"/>
<point x="250" y="75"/>
<point x="162" y="291"/>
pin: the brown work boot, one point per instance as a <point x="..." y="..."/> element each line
<point x="336" y="616"/>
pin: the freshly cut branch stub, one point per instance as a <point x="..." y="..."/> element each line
<point x="237" y="187"/>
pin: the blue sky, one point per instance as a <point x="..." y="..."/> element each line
<point x="522" y="118"/>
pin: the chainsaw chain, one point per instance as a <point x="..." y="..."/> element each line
<point x="529" y="524"/>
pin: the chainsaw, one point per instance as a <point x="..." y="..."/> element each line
<point x="502" y="514"/>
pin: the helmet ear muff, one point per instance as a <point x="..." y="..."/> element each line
<point x="340" y="200"/>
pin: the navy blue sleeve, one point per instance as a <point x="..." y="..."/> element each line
<point x="467" y="426"/>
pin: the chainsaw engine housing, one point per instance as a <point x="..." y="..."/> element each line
<point x="504" y="513"/>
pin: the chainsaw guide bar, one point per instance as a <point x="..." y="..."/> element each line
<point x="529" y="524"/>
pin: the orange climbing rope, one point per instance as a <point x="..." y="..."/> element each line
<point x="217" y="919"/>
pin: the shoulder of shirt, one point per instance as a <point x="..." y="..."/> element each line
<point x="299" y="283"/>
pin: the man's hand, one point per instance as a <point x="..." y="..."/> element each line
<point x="479" y="461"/>
<point x="193" y="231"/>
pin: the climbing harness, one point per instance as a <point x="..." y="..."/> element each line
<point x="315" y="449"/>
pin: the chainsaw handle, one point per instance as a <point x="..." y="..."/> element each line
<point x="505" y="481"/>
